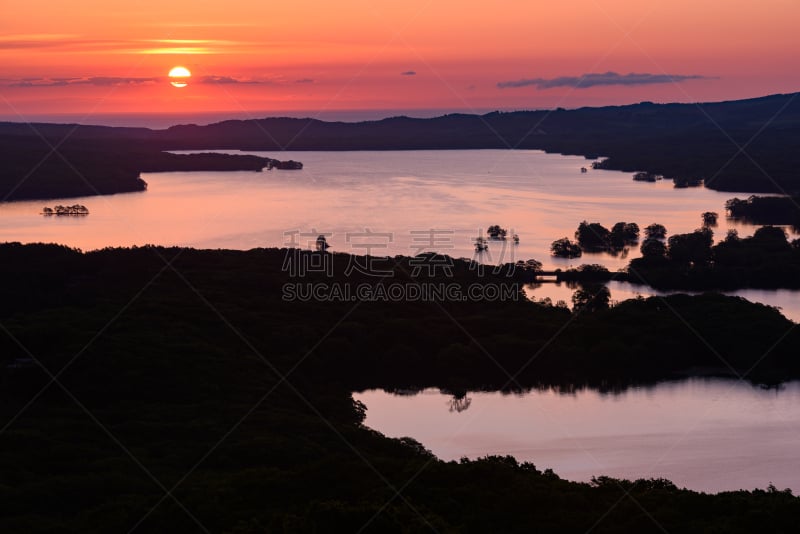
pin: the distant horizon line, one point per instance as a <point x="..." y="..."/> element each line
<point x="159" y="120"/>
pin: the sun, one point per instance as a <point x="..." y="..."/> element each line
<point x="180" y="76"/>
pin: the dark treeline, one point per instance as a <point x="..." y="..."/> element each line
<point x="766" y="210"/>
<point x="684" y="142"/>
<point x="768" y="259"/>
<point x="30" y="169"/>
<point x="689" y="261"/>
<point x="136" y="339"/>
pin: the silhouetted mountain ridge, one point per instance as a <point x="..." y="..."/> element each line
<point x="743" y="145"/>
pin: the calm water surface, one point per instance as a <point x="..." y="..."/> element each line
<point x="705" y="434"/>
<point x="401" y="196"/>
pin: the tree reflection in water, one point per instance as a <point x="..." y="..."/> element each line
<point x="459" y="403"/>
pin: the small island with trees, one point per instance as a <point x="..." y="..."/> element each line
<point x="75" y="209"/>
<point x="594" y="237"/>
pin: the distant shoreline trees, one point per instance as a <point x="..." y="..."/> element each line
<point x="768" y="259"/>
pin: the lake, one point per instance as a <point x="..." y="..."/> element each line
<point x="410" y="201"/>
<point x="706" y="434"/>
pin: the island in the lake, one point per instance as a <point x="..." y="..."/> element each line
<point x="75" y="209"/>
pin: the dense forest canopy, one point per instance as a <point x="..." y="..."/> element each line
<point x="163" y="389"/>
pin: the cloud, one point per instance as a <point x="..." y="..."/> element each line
<point x="101" y="81"/>
<point x="39" y="82"/>
<point x="408" y="73"/>
<point x="176" y="24"/>
<point x="105" y="81"/>
<point x="220" y="80"/>
<point x="70" y="43"/>
<point x="12" y="45"/>
<point x="36" y="40"/>
<point x="62" y="43"/>
<point x="230" y="80"/>
<point x="597" y="79"/>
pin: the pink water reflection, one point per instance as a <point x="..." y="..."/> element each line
<point x="704" y="434"/>
<point x="542" y="197"/>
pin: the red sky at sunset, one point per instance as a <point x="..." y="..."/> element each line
<point x="92" y="58"/>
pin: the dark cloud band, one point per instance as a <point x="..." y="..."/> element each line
<point x="599" y="79"/>
<point x="105" y="81"/>
<point x="102" y="81"/>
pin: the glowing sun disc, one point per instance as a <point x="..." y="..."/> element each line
<point x="180" y="76"/>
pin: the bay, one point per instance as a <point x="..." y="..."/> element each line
<point x="706" y="434"/>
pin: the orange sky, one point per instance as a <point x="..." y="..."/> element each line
<point x="92" y="57"/>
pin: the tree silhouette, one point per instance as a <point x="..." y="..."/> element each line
<point x="591" y="298"/>
<point x="496" y="232"/>
<point x="655" y="231"/>
<point x="653" y="248"/>
<point x="459" y="403"/>
<point x="710" y="218"/>
<point x="693" y="248"/>
<point x="564" y="248"/>
<point x="593" y="236"/>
